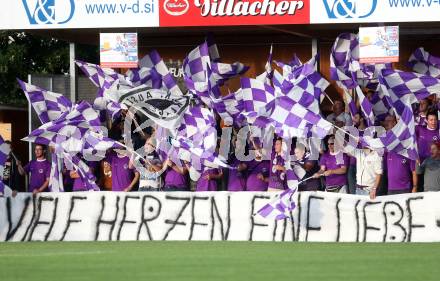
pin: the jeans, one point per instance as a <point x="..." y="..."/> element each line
<point x="146" y="188"/>
<point x="364" y="192"/>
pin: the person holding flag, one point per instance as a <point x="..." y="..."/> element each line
<point x="334" y="169"/>
<point x="277" y="176"/>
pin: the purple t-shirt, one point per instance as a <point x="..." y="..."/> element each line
<point x="40" y="171"/>
<point x="277" y="179"/>
<point x="331" y="163"/>
<point x="236" y="179"/>
<point x="399" y="171"/>
<point x="122" y="174"/>
<point x="78" y="183"/>
<point x="425" y="137"/>
<point x="253" y="183"/>
<point x="207" y="185"/>
<point x="175" y="179"/>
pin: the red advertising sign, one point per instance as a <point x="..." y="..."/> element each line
<point x="233" y="12"/>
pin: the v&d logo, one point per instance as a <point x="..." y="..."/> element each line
<point x="49" y="11"/>
<point x="350" y="9"/>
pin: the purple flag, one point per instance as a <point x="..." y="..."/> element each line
<point x="154" y="62"/>
<point x="258" y="99"/>
<point x="49" y="106"/>
<point x="404" y="88"/>
<point x="284" y="203"/>
<point x="424" y="63"/>
<point x="291" y="119"/>
<point x="400" y="139"/>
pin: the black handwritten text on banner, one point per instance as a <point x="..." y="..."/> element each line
<point x="217" y="216"/>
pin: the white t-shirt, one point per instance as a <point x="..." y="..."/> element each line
<point x="368" y="165"/>
<point x="343" y="117"/>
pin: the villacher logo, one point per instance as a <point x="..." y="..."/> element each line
<point x="176" y="7"/>
<point x="349" y="9"/>
<point x="247" y="8"/>
<point x="49" y="11"/>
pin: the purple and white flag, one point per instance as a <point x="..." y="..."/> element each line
<point x="68" y="130"/>
<point x="400" y="139"/>
<point x="196" y="140"/>
<point x="48" y="105"/>
<point x="302" y="83"/>
<point x="345" y="68"/>
<point x="424" y="63"/>
<point x="73" y="162"/>
<point x="366" y="107"/>
<point x="258" y="98"/>
<point x="291" y="119"/>
<point x="154" y="62"/>
<point x="56" y="176"/>
<point x="230" y="108"/>
<point x="103" y="78"/>
<point x="5" y="149"/>
<point x="284" y="203"/>
<point x="196" y="63"/>
<point x="404" y="88"/>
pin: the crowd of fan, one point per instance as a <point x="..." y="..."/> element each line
<point x="355" y="170"/>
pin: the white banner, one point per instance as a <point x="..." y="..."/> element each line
<point x="323" y="217"/>
<point x="47" y="14"/>
<point x="363" y="11"/>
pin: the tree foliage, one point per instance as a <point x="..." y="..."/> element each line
<point x="23" y="53"/>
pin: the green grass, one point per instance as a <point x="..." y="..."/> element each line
<point x="208" y="261"/>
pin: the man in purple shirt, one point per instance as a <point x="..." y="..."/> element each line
<point x="334" y="169"/>
<point x="401" y="174"/>
<point x="277" y="177"/>
<point x="176" y="177"/>
<point x="39" y="170"/>
<point x="124" y="175"/>
<point x="258" y="175"/>
<point x="236" y="175"/>
<point x="78" y="183"/>
<point x="208" y="180"/>
<point x="426" y="135"/>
